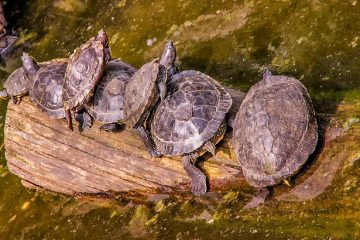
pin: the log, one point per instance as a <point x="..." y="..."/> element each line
<point x="44" y="153"/>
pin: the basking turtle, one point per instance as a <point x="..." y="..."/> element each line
<point x="190" y="121"/>
<point x="275" y="130"/>
<point x="47" y="79"/>
<point x="16" y="86"/>
<point x="143" y="92"/>
<point x="85" y="69"/>
<point x="107" y="105"/>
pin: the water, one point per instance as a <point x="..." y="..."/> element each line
<point x="233" y="41"/>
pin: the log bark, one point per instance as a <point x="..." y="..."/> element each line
<point x="44" y="153"/>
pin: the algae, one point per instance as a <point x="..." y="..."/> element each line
<point x="233" y="41"/>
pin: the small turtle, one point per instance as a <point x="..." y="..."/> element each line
<point x="16" y="86"/>
<point x="275" y="130"/>
<point x="47" y="79"/>
<point x="85" y="69"/>
<point x="190" y="121"/>
<point x="143" y="92"/>
<point x="107" y="105"/>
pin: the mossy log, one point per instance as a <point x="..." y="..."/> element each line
<point x="44" y="153"/>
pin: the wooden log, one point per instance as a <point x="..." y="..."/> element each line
<point x="46" y="154"/>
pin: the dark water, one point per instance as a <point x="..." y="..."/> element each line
<point x="233" y="41"/>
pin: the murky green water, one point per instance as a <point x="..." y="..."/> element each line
<point x="233" y="41"/>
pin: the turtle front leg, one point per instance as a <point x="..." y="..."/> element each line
<point x="261" y="196"/>
<point x="198" y="178"/>
<point x="69" y="119"/>
<point x="84" y="119"/>
<point x="148" y="141"/>
<point x="14" y="99"/>
<point x="111" y="127"/>
<point x="145" y="135"/>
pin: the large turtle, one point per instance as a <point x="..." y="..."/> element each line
<point x="190" y="121"/>
<point x="146" y="86"/>
<point x="47" y="79"/>
<point x="275" y="130"/>
<point x="85" y="69"/>
<point x="107" y="105"/>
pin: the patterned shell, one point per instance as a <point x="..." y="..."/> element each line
<point x="275" y="130"/>
<point x="191" y="115"/>
<point x="84" y="70"/>
<point x="141" y="92"/>
<point x="107" y="105"/>
<point x="17" y="83"/>
<point x="47" y="90"/>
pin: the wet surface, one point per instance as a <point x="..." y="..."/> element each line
<point x="234" y="42"/>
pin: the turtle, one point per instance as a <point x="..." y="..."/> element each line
<point x="16" y="86"/>
<point x="190" y="121"/>
<point x="7" y="39"/>
<point x="274" y="132"/>
<point x="142" y="93"/>
<point x="47" y="79"/>
<point x="107" y="105"/>
<point x="19" y="82"/>
<point x="85" y="68"/>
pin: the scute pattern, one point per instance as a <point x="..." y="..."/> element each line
<point x="141" y="93"/>
<point x="275" y="130"/>
<point x="47" y="90"/>
<point x="84" y="70"/>
<point x="17" y="84"/>
<point x="107" y="105"/>
<point x="191" y="114"/>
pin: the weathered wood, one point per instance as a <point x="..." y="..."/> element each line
<point x="44" y="153"/>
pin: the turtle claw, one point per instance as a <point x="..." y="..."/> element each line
<point x="154" y="152"/>
<point x="198" y="188"/>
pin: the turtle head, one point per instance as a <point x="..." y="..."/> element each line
<point x="30" y="65"/>
<point x="168" y="57"/>
<point x="267" y="75"/>
<point x="104" y="39"/>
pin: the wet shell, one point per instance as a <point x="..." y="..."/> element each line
<point x="107" y="105"/>
<point x="83" y="72"/>
<point x="141" y="93"/>
<point x="47" y="88"/>
<point x="275" y="130"/>
<point x="191" y="115"/>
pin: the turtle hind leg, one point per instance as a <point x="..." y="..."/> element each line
<point x="84" y="119"/>
<point x="198" y="178"/>
<point x="111" y="127"/>
<point x="261" y="196"/>
<point x="149" y="143"/>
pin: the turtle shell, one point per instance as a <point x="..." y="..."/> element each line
<point x="47" y="89"/>
<point x="17" y="84"/>
<point x="275" y="130"/>
<point x="83" y="72"/>
<point x="107" y="105"/>
<point x="141" y="92"/>
<point x="191" y="115"/>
